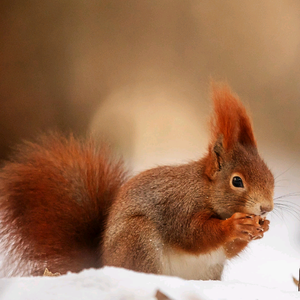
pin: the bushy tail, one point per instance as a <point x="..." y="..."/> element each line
<point x="54" y="199"/>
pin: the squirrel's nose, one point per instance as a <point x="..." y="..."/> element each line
<point x="265" y="209"/>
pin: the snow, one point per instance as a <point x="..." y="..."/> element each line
<point x="112" y="284"/>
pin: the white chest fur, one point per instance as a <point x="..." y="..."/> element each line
<point x="195" y="267"/>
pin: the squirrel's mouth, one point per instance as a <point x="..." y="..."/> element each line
<point x="261" y="208"/>
<point x="264" y="214"/>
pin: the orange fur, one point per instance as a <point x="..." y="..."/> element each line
<point x="55" y="196"/>
<point x="230" y="125"/>
<point x="230" y="120"/>
<point x="66" y="205"/>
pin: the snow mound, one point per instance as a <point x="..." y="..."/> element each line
<point x="118" y="284"/>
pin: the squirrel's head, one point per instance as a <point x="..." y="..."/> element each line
<point x="241" y="180"/>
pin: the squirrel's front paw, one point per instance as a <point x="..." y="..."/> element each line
<point x="264" y="223"/>
<point x="246" y="227"/>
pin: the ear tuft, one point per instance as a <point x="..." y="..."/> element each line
<point x="230" y="119"/>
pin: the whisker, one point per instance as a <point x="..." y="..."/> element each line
<point x="248" y="199"/>
<point x="287" y="207"/>
<point x="279" y="186"/>
<point x="281" y="180"/>
<point x="288" y="169"/>
<point x="287" y="202"/>
<point x="278" y="213"/>
<point x="292" y="210"/>
<point x="294" y="194"/>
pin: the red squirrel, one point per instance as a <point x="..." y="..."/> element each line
<point x="68" y="204"/>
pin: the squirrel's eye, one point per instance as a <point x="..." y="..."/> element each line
<point x="237" y="182"/>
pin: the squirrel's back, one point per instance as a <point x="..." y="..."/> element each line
<point x="55" y="196"/>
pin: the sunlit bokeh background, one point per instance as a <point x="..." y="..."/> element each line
<point x="138" y="73"/>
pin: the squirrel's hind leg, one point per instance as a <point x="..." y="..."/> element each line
<point x="133" y="244"/>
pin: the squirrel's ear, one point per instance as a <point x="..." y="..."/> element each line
<point x="230" y="119"/>
<point x="215" y="158"/>
<point x="246" y="135"/>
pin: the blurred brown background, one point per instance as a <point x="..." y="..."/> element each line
<point x="139" y="71"/>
